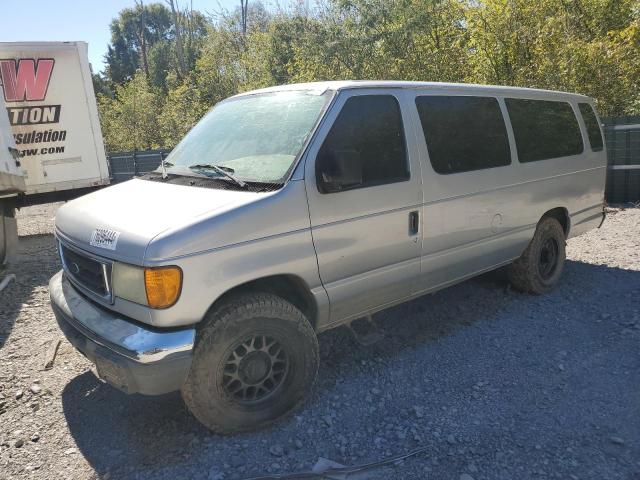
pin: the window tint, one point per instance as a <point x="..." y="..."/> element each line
<point x="544" y="129"/>
<point x="365" y="146"/>
<point x="463" y="133"/>
<point x="593" y="129"/>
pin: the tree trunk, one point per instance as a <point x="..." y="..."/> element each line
<point x="179" y="47"/>
<point x="142" y="39"/>
<point x="244" y="10"/>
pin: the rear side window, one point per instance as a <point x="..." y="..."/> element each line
<point x="463" y="133"/>
<point x="544" y="129"/>
<point x="365" y="146"/>
<point x="593" y="129"/>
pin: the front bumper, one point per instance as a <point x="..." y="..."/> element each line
<point x="127" y="355"/>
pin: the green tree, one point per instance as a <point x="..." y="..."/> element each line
<point x="144" y="38"/>
<point x="130" y="121"/>
<point x="367" y="39"/>
<point x="585" y="46"/>
<point x="133" y="34"/>
<point x="181" y="111"/>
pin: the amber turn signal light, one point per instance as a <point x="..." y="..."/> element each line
<point x="162" y="285"/>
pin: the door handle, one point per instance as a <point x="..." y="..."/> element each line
<point x="414" y="223"/>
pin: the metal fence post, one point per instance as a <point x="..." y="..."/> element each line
<point x="627" y="173"/>
<point x="135" y="164"/>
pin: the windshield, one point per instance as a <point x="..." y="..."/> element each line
<point x="257" y="137"/>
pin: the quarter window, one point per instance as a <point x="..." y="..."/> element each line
<point x="365" y="146"/>
<point x="593" y="129"/>
<point x="544" y="129"/>
<point x="463" y="133"/>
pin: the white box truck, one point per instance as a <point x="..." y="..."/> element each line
<point x="54" y="119"/>
<point x="11" y="185"/>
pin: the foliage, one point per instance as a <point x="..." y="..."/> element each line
<point x="147" y="99"/>
<point x="133" y="33"/>
<point x="143" y="38"/>
<point x="586" y="46"/>
<point x="130" y="120"/>
<point x="182" y="109"/>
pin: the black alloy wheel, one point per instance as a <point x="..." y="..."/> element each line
<point x="548" y="260"/>
<point x="255" y="369"/>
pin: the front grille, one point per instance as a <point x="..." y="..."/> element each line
<point x="88" y="272"/>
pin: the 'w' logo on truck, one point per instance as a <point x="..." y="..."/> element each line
<point x="25" y="79"/>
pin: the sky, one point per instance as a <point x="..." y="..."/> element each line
<point x="74" y="20"/>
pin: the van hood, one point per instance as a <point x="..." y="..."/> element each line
<point x="119" y="222"/>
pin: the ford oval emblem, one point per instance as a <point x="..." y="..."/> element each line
<point x="75" y="268"/>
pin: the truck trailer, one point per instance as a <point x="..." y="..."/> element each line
<point x="53" y="117"/>
<point x="11" y="185"/>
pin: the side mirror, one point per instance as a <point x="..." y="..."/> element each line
<point x="338" y="170"/>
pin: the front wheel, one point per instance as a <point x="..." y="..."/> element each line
<point x="255" y="360"/>
<point x="540" y="266"/>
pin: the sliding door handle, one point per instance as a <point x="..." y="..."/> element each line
<point x="414" y="223"/>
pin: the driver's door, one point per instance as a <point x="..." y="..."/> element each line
<point x="364" y="191"/>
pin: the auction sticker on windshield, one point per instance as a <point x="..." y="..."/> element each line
<point x="104" y="238"/>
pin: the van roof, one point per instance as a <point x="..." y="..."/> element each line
<point x="434" y="86"/>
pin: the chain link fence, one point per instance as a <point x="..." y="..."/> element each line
<point x="126" y="165"/>
<point x="622" y="135"/>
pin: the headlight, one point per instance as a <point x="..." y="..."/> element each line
<point x="157" y="287"/>
<point x="128" y="283"/>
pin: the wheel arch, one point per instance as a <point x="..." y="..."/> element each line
<point x="290" y="287"/>
<point x="562" y="215"/>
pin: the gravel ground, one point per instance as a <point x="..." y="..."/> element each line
<point x="493" y="384"/>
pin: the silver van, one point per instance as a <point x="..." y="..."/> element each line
<point x="291" y="210"/>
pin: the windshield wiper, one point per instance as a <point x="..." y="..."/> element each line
<point x="163" y="167"/>
<point x="224" y="171"/>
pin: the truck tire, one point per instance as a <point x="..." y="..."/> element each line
<point x="255" y="360"/>
<point x="540" y="266"/>
<point x="8" y="232"/>
<point x="3" y="238"/>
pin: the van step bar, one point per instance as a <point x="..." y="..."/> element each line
<point x="365" y="330"/>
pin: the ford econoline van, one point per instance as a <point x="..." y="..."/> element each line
<point x="291" y="210"/>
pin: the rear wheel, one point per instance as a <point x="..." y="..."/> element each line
<point x="540" y="266"/>
<point x="255" y="360"/>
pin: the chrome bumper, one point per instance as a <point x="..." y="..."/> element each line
<point x="127" y="355"/>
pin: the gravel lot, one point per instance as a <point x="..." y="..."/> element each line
<point x="492" y="383"/>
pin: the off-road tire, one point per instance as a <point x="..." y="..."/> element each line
<point x="524" y="274"/>
<point x="249" y="316"/>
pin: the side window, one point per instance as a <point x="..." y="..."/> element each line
<point x="544" y="129"/>
<point x="463" y="133"/>
<point x="365" y="146"/>
<point x="593" y="129"/>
